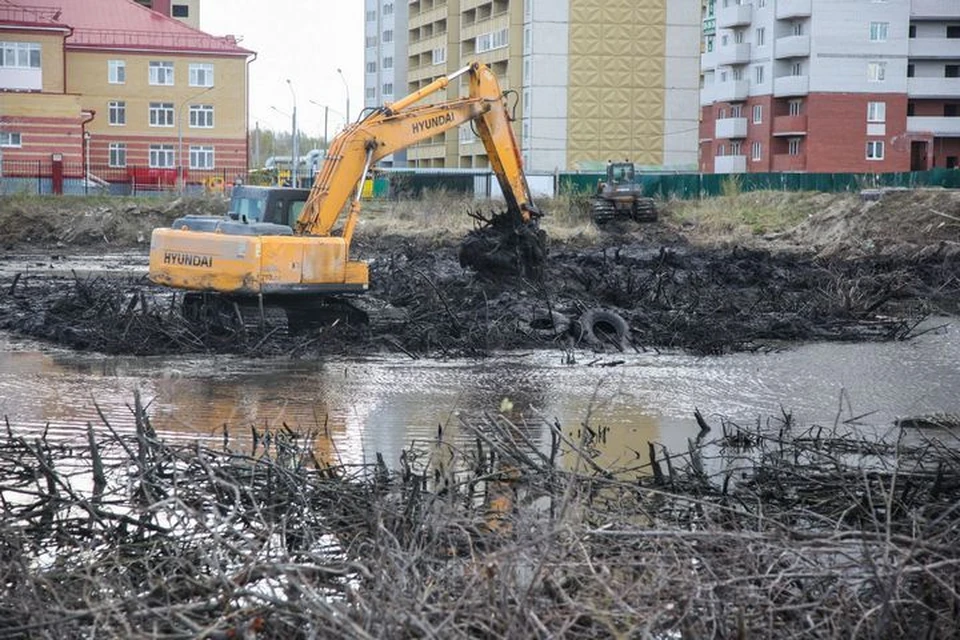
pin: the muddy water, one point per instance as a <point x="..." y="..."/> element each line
<point x="382" y="405"/>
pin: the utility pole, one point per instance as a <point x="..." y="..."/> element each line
<point x="295" y="159"/>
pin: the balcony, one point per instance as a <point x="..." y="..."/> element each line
<point x="788" y="86"/>
<point x="933" y="88"/>
<point x="731" y="128"/>
<point x="735" y="15"/>
<point x="733" y="54"/>
<point x="940" y="127"/>
<point x="793" y="47"/>
<point x="730" y="164"/>
<point x="706" y="95"/>
<point x="936" y="48"/>
<point x="935" y="10"/>
<point x="788" y="9"/>
<point x="787" y="162"/>
<point x="731" y="91"/>
<point x="790" y="125"/>
<point x="708" y="60"/>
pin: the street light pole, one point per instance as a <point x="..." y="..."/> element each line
<point x="180" y="137"/>
<point x="347" y="90"/>
<point x="295" y="160"/>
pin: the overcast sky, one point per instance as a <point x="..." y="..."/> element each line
<point x="303" y="40"/>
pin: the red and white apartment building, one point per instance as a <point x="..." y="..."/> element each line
<point x="830" y="85"/>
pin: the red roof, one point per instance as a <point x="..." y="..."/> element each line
<point x="117" y="24"/>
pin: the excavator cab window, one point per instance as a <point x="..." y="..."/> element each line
<point x="621" y="173"/>
<point x="248" y="208"/>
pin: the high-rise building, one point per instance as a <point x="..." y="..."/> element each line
<point x="829" y="86"/>
<point x="589" y="80"/>
<point x="385" y="58"/>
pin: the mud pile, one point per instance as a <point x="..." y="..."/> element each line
<point x="632" y="295"/>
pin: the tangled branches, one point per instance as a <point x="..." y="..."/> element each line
<point x="760" y="533"/>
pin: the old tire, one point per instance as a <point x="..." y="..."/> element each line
<point x="602" y="327"/>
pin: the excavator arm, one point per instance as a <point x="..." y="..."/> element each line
<point x="245" y="258"/>
<point x="401" y="124"/>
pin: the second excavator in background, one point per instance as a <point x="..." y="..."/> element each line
<point x="257" y="256"/>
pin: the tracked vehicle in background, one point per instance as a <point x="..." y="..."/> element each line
<point x="620" y="197"/>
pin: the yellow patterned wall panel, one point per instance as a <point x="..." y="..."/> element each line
<point x="616" y="81"/>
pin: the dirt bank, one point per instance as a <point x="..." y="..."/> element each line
<point x="850" y="270"/>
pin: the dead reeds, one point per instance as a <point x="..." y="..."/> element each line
<point x="763" y="531"/>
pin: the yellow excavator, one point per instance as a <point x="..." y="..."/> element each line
<point x="250" y="255"/>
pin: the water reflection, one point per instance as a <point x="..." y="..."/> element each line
<point x="383" y="405"/>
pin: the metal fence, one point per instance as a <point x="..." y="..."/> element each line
<point x="37" y="177"/>
<point x="75" y="178"/>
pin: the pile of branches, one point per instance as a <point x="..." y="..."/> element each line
<point x="760" y="532"/>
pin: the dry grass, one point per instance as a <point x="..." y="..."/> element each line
<point x="736" y="216"/>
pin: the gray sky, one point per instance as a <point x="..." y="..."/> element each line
<point x="303" y="40"/>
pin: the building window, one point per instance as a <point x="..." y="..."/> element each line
<point x="371" y="41"/>
<point x="710" y="43"/>
<point x="371" y="67"/>
<point x="793" y="147"/>
<point x="201" y="75"/>
<point x="795" y="107"/>
<point x="738" y="37"/>
<point x="875" y="150"/>
<point x="761" y="37"/>
<point x="10" y="139"/>
<point x="493" y="40"/>
<point x="118" y="154"/>
<point x="911" y="109"/>
<point x="876" y="112"/>
<point x="736" y="148"/>
<point x="737" y="73"/>
<point x="388" y="62"/>
<point x="721" y="150"/>
<point x="201" y="157"/>
<point x="951" y="71"/>
<point x="911" y="70"/>
<point x="180" y="11"/>
<point x="912" y="31"/>
<point x="161" y="156"/>
<point x="757" y="114"/>
<point x="116" y="71"/>
<point x="953" y="31"/>
<point x="20" y="55"/>
<point x="757" y="151"/>
<point x="798" y="28"/>
<point x="878" y="31"/>
<point x="796" y="69"/>
<point x="161" y="114"/>
<point x="117" y="112"/>
<point x="440" y="55"/>
<point x="201" y="116"/>
<point x="161" y="73"/>
<point x="761" y="4"/>
<point x="951" y="110"/>
<point x="758" y="74"/>
<point x="388" y="89"/>
<point x="736" y="111"/>
<point x="387" y="8"/>
<point x="388" y="35"/>
<point x="370" y="93"/>
<point x="371" y="16"/>
<point x="876" y="71"/>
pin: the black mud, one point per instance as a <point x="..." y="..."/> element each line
<point x="424" y="304"/>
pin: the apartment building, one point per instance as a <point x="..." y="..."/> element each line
<point x="385" y="58"/>
<point x="111" y="83"/>
<point x="588" y="80"/>
<point x="830" y="85"/>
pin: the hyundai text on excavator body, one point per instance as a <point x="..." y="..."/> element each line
<point x="243" y="256"/>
